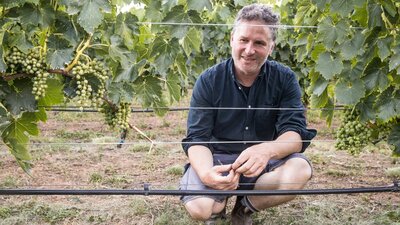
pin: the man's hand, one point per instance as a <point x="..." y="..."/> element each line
<point x="215" y="178"/>
<point x="252" y="161"/>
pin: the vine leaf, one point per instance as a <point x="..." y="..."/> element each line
<point x="394" y="138"/>
<point x="54" y="94"/>
<point x="126" y="28"/>
<point x="388" y="106"/>
<point x="91" y="14"/>
<point x="4" y="118"/>
<point x="331" y="33"/>
<point x="374" y="14"/>
<point x="173" y="86"/>
<point x="192" y="41"/>
<point x="3" y="65"/>
<point x="342" y="7"/>
<point x="199" y="5"/>
<point x="376" y="75"/>
<point x="15" y="136"/>
<point x="328" y="66"/>
<point x="394" y="61"/>
<point x="349" y="93"/>
<point x="149" y="94"/>
<point x="384" y="47"/>
<point x="58" y="52"/>
<point x="120" y="92"/>
<point x="353" y="46"/>
<point x="20" y="97"/>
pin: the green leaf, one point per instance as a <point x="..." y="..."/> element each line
<point x="19" y="39"/>
<point x="149" y="93"/>
<point x="384" y="47"/>
<point x="91" y="14"/>
<point x="376" y="75"/>
<point x="153" y="11"/>
<point x="328" y="66"/>
<point x="128" y="72"/>
<point x="374" y="14"/>
<point x="173" y="87"/>
<point x="318" y="49"/>
<point x="366" y="108"/>
<point x="394" y="138"/>
<point x="321" y="4"/>
<point x="21" y="98"/>
<point x="349" y="93"/>
<point x="319" y="86"/>
<point x="59" y="52"/>
<point x="192" y="41"/>
<point x="15" y="136"/>
<point x="177" y="15"/>
<point x="4" y="118"/>
<point x="389" y="7"/>
<point x="180" y="62"/>
<point x="54" y="93"/>
<point x="342" y="7"/>
<point x="3" y="65"/>
<point x="12" y="3"/>
<point x="116" y="51"/>
<point x="120" y="92"/>
<point x="394" y="61"/>
<point x="64" y="26"/>
<point x="43" y="15"/>
<point x="199" y="5"/>
<point x="353" y="46"/>
<point x="331" y="33"/>
<point x="319" y="101"/>
<point x="387" y="105"/>
<point x="360" y="15"/>
<point x="126" y="27"/>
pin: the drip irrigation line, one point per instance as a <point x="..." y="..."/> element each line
<point x="147" y="191"/>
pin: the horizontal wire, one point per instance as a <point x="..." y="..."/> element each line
<point x="76" y="109"/>
<point x="179" y="142"/>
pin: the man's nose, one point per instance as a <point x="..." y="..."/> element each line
<point x="249" y="49"/>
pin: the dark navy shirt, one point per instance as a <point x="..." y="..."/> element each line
<point x="217" y="89"/>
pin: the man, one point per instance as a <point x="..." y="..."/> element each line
<point x="246" y="127"/>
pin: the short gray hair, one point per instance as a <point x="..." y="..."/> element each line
<point x="259" y="12"/>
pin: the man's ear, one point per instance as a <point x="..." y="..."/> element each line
<point x="271" y="48"/>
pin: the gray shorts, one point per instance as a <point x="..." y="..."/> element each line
<point x="190" y="180"/>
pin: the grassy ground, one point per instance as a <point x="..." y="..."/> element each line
<point x="77" y="151"/>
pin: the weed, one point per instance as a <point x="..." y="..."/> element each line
<point x="172" y="214"/>
<point x="176" y="170"/>
<point x="393" y="172"/>
<point x="95" y="178"/>
<point x="140" y="147"/>
<point x="5" y="212"/>
<point x="73" y="135"/>
<point x="54" y="215"/>
<point x="9" y="182"/>
<point x="116" y="181"/>
<point x="139" y="207"/>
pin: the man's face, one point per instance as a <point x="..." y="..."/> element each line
<point x="251" y="45"/>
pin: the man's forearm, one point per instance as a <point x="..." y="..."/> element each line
<point x="286" y="144"/>
<point x="201" y="159"/>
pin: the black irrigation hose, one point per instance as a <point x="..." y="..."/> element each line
<point x="147" y="191"/>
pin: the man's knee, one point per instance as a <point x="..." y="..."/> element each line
<point x="200" y="209"/>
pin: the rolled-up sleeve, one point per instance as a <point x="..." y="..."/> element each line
<point x="200" y="119"/>
<point x="293" y="120"/>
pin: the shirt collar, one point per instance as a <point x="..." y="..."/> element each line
<point x="263" y="71"/>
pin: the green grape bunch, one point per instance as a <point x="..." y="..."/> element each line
<point x="91" y="77"/>
<point x="117" y="117"/>
<point x="33" y="64"/>
<point x="352" y="134"/>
